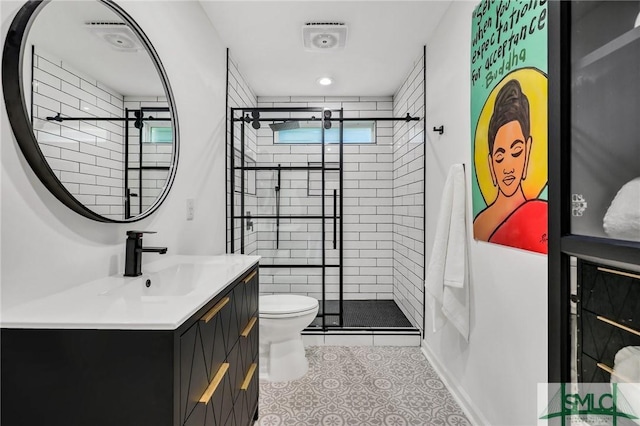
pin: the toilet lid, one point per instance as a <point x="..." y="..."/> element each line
<point x="282" y="304"/>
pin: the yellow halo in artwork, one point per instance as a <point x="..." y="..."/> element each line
<point x="534" y="86"/>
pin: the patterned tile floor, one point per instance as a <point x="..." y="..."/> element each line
<point x="361" y="385"/>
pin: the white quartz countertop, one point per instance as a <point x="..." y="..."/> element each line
<point x="180" y="286"/>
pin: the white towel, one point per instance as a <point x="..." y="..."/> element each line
<point x="446" y="282"/>
<point x="622" y="219"/>
<point x="626" y="367"/>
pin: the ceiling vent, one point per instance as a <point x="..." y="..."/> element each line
<point x="324" y="36"/>
<point x="117" y="34"/>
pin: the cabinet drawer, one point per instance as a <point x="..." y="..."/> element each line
<point x="251" y="284"/>
<point x="226" y="336"/>
<point x="194" y="377"/>
<point x="247" y="400"/>
<point x="249" y="342"/>
<point x="242" y="356"/>
<point x="216" y="340"/>
<point x="590" y="372"/>
<point x="214" y="407"/>
<point x="610" y="292"/>
<point x="236" y="370"/>
<point x="245" y="300"/>
<point x="601" y="340"/>
<point x="203" y="349"/>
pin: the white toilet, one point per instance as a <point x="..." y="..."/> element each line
<point x="282" y="319"/>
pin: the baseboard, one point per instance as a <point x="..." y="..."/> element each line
<point x="462" y="398"/>
<point x="362" y="337"/>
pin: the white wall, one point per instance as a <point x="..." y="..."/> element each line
<point x="47" y="247"/>
<point x="496" y="373"/>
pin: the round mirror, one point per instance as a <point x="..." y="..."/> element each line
<point x="91" y="107"/>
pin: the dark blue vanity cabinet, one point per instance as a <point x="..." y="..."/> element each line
<point x="205" y="373"/>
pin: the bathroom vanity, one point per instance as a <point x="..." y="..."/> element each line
<point x="150" y="350"/>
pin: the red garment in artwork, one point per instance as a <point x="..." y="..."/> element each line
<point x="525" y="228"/>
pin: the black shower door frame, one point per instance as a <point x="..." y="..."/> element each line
<point x="140" y="167"/>
<point x="325" y="118"/>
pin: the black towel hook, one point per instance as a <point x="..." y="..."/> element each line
<point x="439" y="129"/>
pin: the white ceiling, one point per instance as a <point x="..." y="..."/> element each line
<point x="384" y="39"/>
<point x="59" y="29"/>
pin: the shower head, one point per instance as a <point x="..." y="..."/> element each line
<point x="286" y="125"/>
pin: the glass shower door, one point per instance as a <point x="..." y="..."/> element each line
<point x="294" y="216"/>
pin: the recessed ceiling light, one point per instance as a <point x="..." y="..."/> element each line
<point x="325" y="81"/>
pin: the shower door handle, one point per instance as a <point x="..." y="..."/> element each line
<point x="127" y="203"/>
<point x="335" y="218"/>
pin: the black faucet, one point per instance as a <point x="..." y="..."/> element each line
<point x="133" y="256"/>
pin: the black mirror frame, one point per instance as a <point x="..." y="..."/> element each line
<point x="13" y="89"/>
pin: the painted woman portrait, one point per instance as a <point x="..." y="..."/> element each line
<point x="514" y="214"/>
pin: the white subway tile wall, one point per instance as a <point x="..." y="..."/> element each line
<point x="408" y="197"/>
<point x="241" y="95"/>
<point x="153" y="154"/>
<point x="86" y="156"/>
<point x="367" y="204"/>
<point x="383" y="199"/>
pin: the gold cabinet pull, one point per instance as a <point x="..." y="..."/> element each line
<point x="247" y="329"/>
<point x="620" y="326"/>
<point x="213" y="311"/>
<point x="250" y="277"/>
<point x="605" y="367"/>
<point x="611" y="371"/>
<point x="624" y="274"/>
<point x="206" y="396"/>
<point x="248" y="377"/>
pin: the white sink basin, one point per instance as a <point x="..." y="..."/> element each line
<point x="174" y="281"/>
<point x="178" y="286"/>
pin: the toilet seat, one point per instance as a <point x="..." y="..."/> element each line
<point x="286" y="305"/>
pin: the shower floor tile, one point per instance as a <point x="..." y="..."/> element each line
<point x="364" y="313"/>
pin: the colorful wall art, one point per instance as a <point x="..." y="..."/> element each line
<point x="509" y="123"/>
